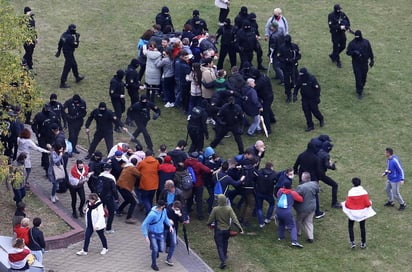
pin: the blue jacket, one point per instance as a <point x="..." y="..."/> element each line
<point x="395" y="169"/>
<point x="154" y="221"/>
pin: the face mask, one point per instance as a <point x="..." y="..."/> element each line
<point x="291" y="176"/>
<point x="118" y="159"/>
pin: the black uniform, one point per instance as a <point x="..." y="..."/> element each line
<point x="132" y="81"/>
<point x="30" y="45"/>
<point x="310" y="91"/>
<point x="164" y="20"/>
<point x="75" y="111"/>
<point x="241" y="18"/>
<point x="69" y="41"/>
<point x="140" y="113"/>
<point x="246" y="43"/>
<point x="265" y="93"/>
<point x="104" y="127"/>
<point x="325" y="164"/>
<point x="197" y="128"/>
<point x="258" y="48"/>
<point x="227" y="44"/>
<point x="289" y="55"/>
<point x="361" y="51"/>
<point x="41" y="126"/>
<point x="229" y="118"/>
<point x="199" y="25"/>
<point x="338" y="24"/>
<point x="57" y="108"/>
<point x="117" y="95"/>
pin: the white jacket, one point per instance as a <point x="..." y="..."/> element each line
<point x="98" y="221"/>
<point x="224" y="4"/>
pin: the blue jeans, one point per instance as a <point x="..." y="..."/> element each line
<point x="259" y="206"/>
<point x="255" y="124"/>
<point x="171" y="237"/>
<point x="157" y="244"/>
<point x="147" y="198"/>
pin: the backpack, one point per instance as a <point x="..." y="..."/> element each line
<point x="191" y="173"/>
<point x="218" y="186"/>
<point x="99" y="186"/>
<point x="186" y="181"/>
<point x="283" y="201"/>
<point x="250" y="174"/>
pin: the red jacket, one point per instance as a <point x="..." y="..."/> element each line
<point x="199" y="168"/>
<point x="22" y="233"/>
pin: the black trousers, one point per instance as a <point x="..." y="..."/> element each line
<point x="44" y="156"/>
<point x="134" y="95"/>
<point x="245" y="56"/>
<point x="223" y="14"/>
<point x="74" y="127"/>
<point x="128" y="199"/>
<point x="360" y="69"/>
<point x="98" y="136"/>
<point x="259" y="54"/>
<point x="28" y="56"/>
<point x="222" y="243"/>
<point x="69" y="64"/>
<point x="119" y="107"/>
<point x="73" y="193"/>
<point x="310" y="107"/>
<point x="222" y="130"/>
<point x="289" y="76"/>
<point x="226" y="49"/>
<point x="141" y="128"/>
<point x="268" y="113"/>
<point x="338" y="43"/>
<point x="108" y="202"/>
<point x="197" y="138"/>
<point x="362" y="230"/>
<point x="334" y="186"/>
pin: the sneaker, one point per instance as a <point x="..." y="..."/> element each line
<point x="296" y="244"/>
<point x="363" y="245"/>
<point x="389" y="204"/>
<point x="56" y="197"/>
<point x="81" y="253"/>
<point x="337" y="206"/>
<point x="267" y="221"/>
<point x="320" y="215"/>
<point x="79" y="78"/>
<point x="131" y="221"/>
<point x="53" y="199"/>
<point x="104" y="251"/>
<point x="155" y="267"/>
<point x="118" y="213"/>
<point x="110" y="231"/>
<point x="339" y="64"/>
<point x="309" y="240"/>
<point x="64" y="86"/>
<point x="262" y="225"/>
<point x="352" y="245"/>
<point x="402" y="206"/>
<point x="169" y="262"/>
<point x="167" y="105"/>
<point x="222" y="265"/>
<point x="172" y="105"/>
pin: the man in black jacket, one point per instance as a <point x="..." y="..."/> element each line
<point x="140" y="113"/>
<point x="361" y="52"/>
<point x="75" y="111"/>
<point x="57" y="108"/>
<point x="227" y="44"/>
<point x="197" y="128"/>
<point x="310" y="91"/>
<point x="117" y="96"/>
<point x="165" y="20"/>
<point x="338" y="24"/>
<point x="246" y="43"/>
<point x="69" y="41"/>
<point x="104" y="127"/>
<point x="199" y="25"/>
<point x="265" y="184"/>
<point x="132" y="81"/>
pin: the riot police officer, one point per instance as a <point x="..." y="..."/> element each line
<point x="104" y="127"/>
<point x="69" y="41"/>
<point x="199" y="25"/>
<point x="229" y="118"/>
<point x="246" y="43"/>
<point x="117" y="96"/>
<point x="338" y="24"/>
<point x="42" y="124"/>
<point x="289" y="55"/>
<point x="310" y="91"/>
<point x="165" y="20"/>
<point x="258" y="47"/>
<point x="132" y="81"/>
<point x="140" y="113"/>
<point x="197" y="128"/>
<point x="227" y="44"/>
<point x="57" y="108"/>
<point x="75" y="111"/>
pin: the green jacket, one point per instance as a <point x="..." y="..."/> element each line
<point x="223" y="215"/>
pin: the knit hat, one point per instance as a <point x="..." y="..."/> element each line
<point x="167" y="159"/>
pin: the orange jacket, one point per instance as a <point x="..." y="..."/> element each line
<point x="128" y="178"/>
<point x="149" y="177"/>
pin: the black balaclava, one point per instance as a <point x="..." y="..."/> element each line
<point x="288" y="39"/>
<point x="303" y="72"/>
<point x="358" y="35"/>
<point x="337" y="8"/>
<point x="102" y="107"/>
<point x="243" y="10"/>
<point x="72" y="29"/>
<point x="120" y="74"/>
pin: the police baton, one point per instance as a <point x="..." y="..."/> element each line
<point x="88" y="136"/>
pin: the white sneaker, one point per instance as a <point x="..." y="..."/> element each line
<point x="104" y="251"/>
<point x="267" y="221"/>
<point x="53" y="199"/>
<point x="110" y="231"/>
<point x="171" y="105"/>
<point x="262" y="225"/>
<point x="81" y="253"/>
<point x="57" y="199"/>
<point x="167" y="105"/>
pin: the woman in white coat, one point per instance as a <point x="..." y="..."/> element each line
<point x="25" y="144"/>
<point x="94" y="222"/>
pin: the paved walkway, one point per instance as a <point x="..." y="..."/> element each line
<point x="128" y="250"/>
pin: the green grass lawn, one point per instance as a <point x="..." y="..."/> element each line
<point x="360" y="129"/>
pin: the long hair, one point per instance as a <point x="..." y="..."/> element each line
<point x="197" y="73"/>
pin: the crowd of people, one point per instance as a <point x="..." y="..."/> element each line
<point x="177" y="68"/>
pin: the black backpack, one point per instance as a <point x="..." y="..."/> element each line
<point x="250" y="174"/>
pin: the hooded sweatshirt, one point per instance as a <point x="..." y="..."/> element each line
<point x="149" y="177"/>
<point x="155" y="221"/>
<point x="223" y="215"/>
